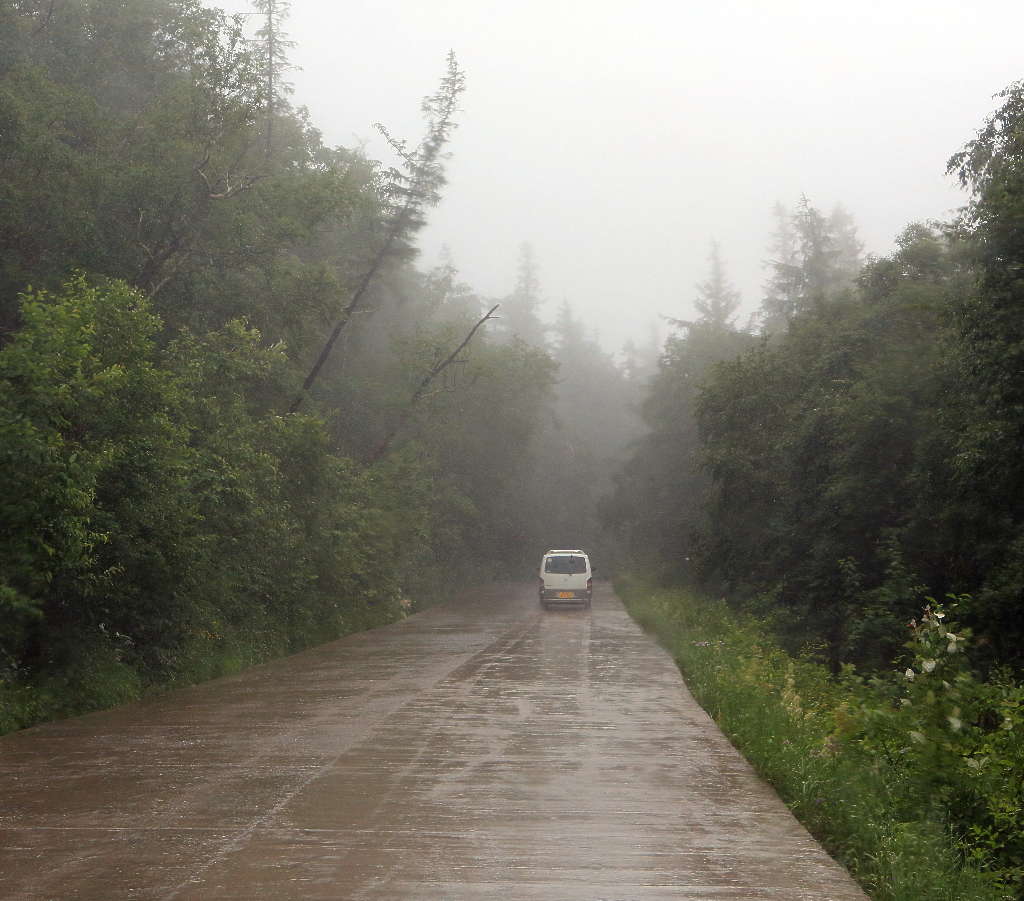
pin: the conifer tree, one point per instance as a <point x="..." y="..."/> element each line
<point x="814" y="258"/>
<point x="273" y="49"/>
<point x="782" y="289"/>
<point x="848" y="247"/>
<point x="717" y="300"/>
<point x="816" y="252"/>
<point x="519" y="310"/>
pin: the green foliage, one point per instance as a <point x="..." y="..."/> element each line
<point x="716" y="301"/>
<point x="829" y="449"/>
<point x="475" y="432"/>
<point x="153" y="507"/>
<point x="582" y="439"/>
<point x="990" y="326"/>
<point x="76" y="371"/>
<point x="868" y="453"/>
<point x="131" y="148"/>
<point x="813" y="258"/>
<point x="519" y="310"/>
<point x="912" y="783"/>
<point x="950" y="743"/>
<point x="863" y="457"/>
<point x="658" y="506"/>
<point x="161" y="519"/>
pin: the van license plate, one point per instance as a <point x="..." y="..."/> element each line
<point x="566" y="594"/>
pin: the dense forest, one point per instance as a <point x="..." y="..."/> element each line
<point x="239" y="416"/>
<point x="236" y="418"/>
<point x="858" y="449"/>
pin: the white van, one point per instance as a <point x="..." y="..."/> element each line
<point x="566" y="577"/>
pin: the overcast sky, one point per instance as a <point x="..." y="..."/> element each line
<point x="619" y="139"/>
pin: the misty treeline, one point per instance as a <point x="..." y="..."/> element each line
<point x="234" y="415"/>
<point x="857" y="449"/>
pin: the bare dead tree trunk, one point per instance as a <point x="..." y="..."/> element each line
<point x="346" y="315"/>
<point x="420" y="188"/>
<point x="424" y="384"/>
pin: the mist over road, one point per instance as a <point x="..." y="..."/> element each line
<point x="482" y="749"/>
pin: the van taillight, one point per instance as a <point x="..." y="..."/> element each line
<point x="590" y="584"/>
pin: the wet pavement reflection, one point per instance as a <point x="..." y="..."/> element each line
<point x="482" y="749"/>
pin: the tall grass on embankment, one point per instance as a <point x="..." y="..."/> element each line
<point x="912" y="779"/>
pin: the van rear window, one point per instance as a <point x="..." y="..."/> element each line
<point x="567" y="565"/>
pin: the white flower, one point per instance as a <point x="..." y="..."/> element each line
<point x="954" y="723"/>
<point x="928" y="665"/>
<point x="909" y="674"/>
<point x="918" y="737"/>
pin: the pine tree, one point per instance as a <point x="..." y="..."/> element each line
<point x="273" y="47"/>
<point x="782" y="289"/>
<point x="519" y="310"/>
<point x="848" y="247"/>
<point x="717" y="300"/>
<point x="817" y="254"/>
<point x="814" y="259"/>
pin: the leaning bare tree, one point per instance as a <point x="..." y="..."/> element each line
<point x="428" y="379"/>
<point x="408" y="191"/>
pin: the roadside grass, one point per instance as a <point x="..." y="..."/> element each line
<point x="110" y="671"/>
<point x="911" y="780"/>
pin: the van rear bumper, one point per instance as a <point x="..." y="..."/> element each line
<point x="565" y="594"/>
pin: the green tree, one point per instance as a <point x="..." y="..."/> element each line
<point x="814" y="259"/>
<point x="827" y="451"/>
<point x="274" y="46"/>
<point x="717" y="300"/>
<point x="782" y="289"/>
<point x="520" y="309"/>
<point x="991" y="330"/>
<point x="659" y="504"/>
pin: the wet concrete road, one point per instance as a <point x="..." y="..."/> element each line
<point x="485" y="749"/>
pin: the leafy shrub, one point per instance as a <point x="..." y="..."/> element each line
<point x="950" y="743"/>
